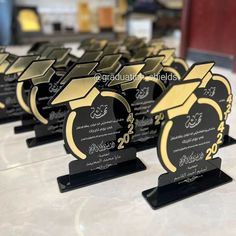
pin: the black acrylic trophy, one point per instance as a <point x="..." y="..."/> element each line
<point x="41" y="76"/>
<point x="140" y="91"/>
<point x="173" y="68"/>
<point x="86" y="43"/>
<point x="47" y="80"/>
<point x="150" y="50"/>
<point x="96" y="131"/>
<point x="28" y="120"/>
<point x="218" y="88"/>
<point x="178" y="66"/>
<point x="12" y="110"/>
<point x="6" y="86"/>
<point x="23" y="88"/>
<point x="172" y="64"/>
<point x="45" y="87"/>
<point x="133" y="44"/>
<point x="190" y="137"/>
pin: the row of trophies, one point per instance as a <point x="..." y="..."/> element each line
<point x="116" y="99"/>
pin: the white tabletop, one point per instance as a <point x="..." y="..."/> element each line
<point x="31" y="204"/>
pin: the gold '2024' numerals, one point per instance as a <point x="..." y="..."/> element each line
<point x="159" y="118"/>
<point x="215" y="146"/>
<point x="126" y="137"/>
<point x="228" y="106"/>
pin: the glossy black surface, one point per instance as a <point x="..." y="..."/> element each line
<point x="79" y="180"/>
<point x="34" y="142"/>
<point x="162" y="196"/>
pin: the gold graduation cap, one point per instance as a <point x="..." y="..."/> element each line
<point x="79" y="70"/>
<point x="76" y="89"/>
<point x="169" y="56"/>
<point x="111" y="48"/>
<point x="200" y="71"/>
<point x="109" y="64"/>
<point x="148" y="73"/>
<point x="3" y="57"/>
<point x="142" y="53"/>
<point x="20" y="64"/>
<point x="176" y="96"/>
<point x="157" y="46"/>
<point x="153" y="65"/>
<point x="44" y="46"/>
<point x="86" y="43"/>
<point x="37" y="69"/>
<point x="98" y="45"/>
<point x="3" y="62"/>
<point x="91" y="56"/>
<point x="134" y="43"/>
<point x="47" y="50"/>
<point x="39" y="72"/>
<point x="126" y="74"/>
<point x="61" y="56"/>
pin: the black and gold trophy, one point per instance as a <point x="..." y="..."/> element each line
<point x="46" y="80"/>
<point x="44" y="76"/>
<point x="86" y="43"/>
<point x="141" y="83"/>
<point x="5" y="61"/>
<point x="23" y="87"/>
<point x="146" y="82"/>
<point x="97" y="130"/>
<point x="218" y="88"/>
<point x="141" y="91"/>
<point x="133" y="43"/>
<point x="11" y="109"/>
<point x="63" y="61"/>
<point x="41" y="76"/>
<point x="173" y="67"/>
<point x="172" y="64"/>
<point x="190" y="137"/>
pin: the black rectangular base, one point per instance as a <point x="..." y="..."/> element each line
<point x="162" y="196"/>
<point x="37" y="141"/>
<point x="23" y="128"/>
<point x="71" y="182"/>
<point x="228" y="141"/>
<point x="9" y="119"/>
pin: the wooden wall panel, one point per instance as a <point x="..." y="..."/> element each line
<point x="209" y="25"/>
